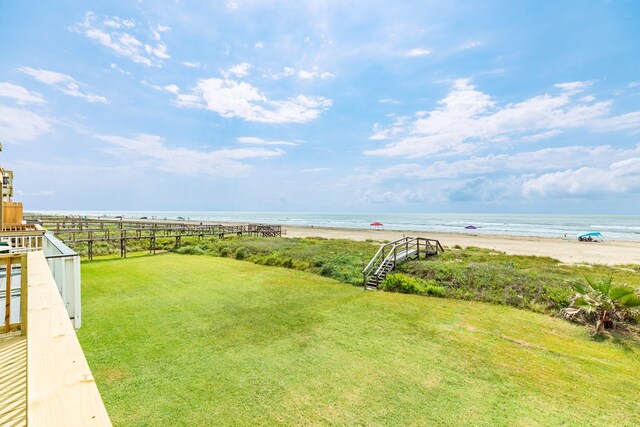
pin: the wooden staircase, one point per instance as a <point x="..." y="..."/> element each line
<point x="391" y="254"/>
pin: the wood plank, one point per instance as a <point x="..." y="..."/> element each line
<point x="13" y="380"/>
<point x="61" y="389"/>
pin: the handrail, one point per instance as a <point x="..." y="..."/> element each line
<point x="9" y="261"/>
<point x="393" y="251"/>
<point x="408" y="244"/>
<point x="379" y="251"/>
<point x="375" y="263"/>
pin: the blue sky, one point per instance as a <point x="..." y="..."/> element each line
<point x="364" y="106"/>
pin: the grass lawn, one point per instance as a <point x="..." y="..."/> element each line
<point x="196" y="340"/>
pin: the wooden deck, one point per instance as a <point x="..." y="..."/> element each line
<point x="13" y="380"/>
<point x="44" y="376"/>
<point x="62" y="391"/>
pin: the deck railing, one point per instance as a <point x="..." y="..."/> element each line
<point x="378" y="259"/>
<point x="43" y="371"/>
<point x="64" y="264"/>
<point x="14" y="279"/>
<point x="22" y="238"/>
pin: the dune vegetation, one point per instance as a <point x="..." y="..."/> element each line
<point x="200" y="340"/>
<point x="540" y="284"/>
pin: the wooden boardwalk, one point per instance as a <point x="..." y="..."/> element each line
<point x="13" y="380"/>
<point x="73" y="231"/>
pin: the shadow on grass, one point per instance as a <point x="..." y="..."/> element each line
<point x="115" y="257"/>
<point x="628" y="341"/>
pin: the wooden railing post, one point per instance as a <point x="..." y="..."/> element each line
<point x="7" y="296"/>
<point x="24" y="294"/>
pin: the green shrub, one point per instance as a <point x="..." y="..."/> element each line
<point x="436" y="291"/>
<point x="288" y="263"/>
<point x="328" y="270"/>
<point x="271" y="260"/>
<point x="560" y="296"/>
<point x="241" y="253"/>
<point x="190" y="250"/>
<point x="398" y="282"/>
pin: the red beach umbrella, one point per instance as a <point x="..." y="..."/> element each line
<point x="376" y="224"/>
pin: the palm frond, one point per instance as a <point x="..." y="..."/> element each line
<point x="584" y="304"/>
<point x="630" y="301"/>
<point x="602" y="285"/>
<point x="578" y="288"/>
<point x="618" y="292"/>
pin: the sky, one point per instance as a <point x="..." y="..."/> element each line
<point x="424" y="106"/>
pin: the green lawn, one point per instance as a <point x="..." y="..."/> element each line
<point x="196" y="340"/>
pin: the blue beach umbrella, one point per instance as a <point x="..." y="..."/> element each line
<point x="592" y="234"/>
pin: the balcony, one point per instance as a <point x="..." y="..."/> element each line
<point x="44" y="376"/>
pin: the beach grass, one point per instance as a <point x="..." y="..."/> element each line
<point x="540" y="284"/>
<point x="197" y="340"/>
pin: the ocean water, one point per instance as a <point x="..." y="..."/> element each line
<point x="612" y="227"/>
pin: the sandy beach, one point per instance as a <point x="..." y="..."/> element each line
<point x="565" y="250"/>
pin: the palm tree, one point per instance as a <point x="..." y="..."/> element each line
<point x="607" y="300"/>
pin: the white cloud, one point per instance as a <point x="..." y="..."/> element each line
<point x="314" y="170"/>
<point x="388" y="101"/>
<point x="260" y="141"/>
<point x="315" y="73"/>
<point x="624" y="122"/>
<point x="286" y="72"/>
<point x="116" y="22"/>
<point x="230" y="98"/>
<point x="64" y="83"/>
<point x="527" y="162"/>
<point x="46" y="76"/>
<point x="470" y="44"/>
<point x="174" y="89"/>
<point x="239" y="70"/>
<point x="20" y="94"/>
<point x="386" y="197"/>
<point x="398" y="127"/>
<point x="542" y="135"/>
<point x="152" y="151"/>
<point x="171" y="88"/>
<point x="259" y="45"/>
<point x="191" y="64"/>
<point x="417" y="52"/>
<point x="468" y="120"/>
<point x="163" y="28"/>
<point x="573" y="87"/>
<point x="306" y="74"/>
<point x="618" y="178"/>
<point x="20" y="125"/>
<point x="120" y="70"/>
<point x="110" y="32"/>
